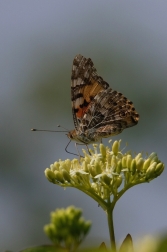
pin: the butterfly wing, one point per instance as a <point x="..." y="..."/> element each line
<point x="110" y="112"/>
<point x="85" y="85"/>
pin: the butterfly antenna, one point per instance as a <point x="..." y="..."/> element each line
<point x="59" y="126"/>
<point x="49" y="130"/>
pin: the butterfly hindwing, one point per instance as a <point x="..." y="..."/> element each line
<point x="110" y="112"/>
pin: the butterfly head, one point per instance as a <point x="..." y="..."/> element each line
<point x="72" y="135"/>
<point x="77" y="136"/>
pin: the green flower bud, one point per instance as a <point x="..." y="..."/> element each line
<point x="152" y="155"/>
<point x="115" y="147"/>
<point x="118" y="181"/>
<point x="68" y="164"/>
<point x="63" y="166"/>
<point x="55" y="166"/>
<point x="97" y="167"/>
<point x="133" y="166"/>
<point x="154" y="159"/>
<point x="128" y="161"/>
<point x="146" y="164"/>
<point x="138" y="156"/>
<point x="124" y="162"/>
<point x="139" y="164"/>
<point x="66" y="175"/>
<point x="50" y="175"/>
<point x="103" y="150"/>
<point x="119" y="167"/>
<point x="150" y="171"/>
<point x="106" y="179"/>
<point x="59" y="176"/>
<point x="159" y="169"/>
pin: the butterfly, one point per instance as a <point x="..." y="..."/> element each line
<point x="98" y="111"/>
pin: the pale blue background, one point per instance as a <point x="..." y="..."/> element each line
<point x="127" y="41"/>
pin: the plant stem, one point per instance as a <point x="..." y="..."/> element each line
<point x="111" y="227"/>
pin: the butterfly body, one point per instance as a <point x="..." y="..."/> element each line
<point x="98" y="110"/>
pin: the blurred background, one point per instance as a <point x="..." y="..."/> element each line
<point x="127" y="41"/>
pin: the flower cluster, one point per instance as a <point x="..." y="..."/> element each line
<point x="67" y="228"/>
<point x="105" y="171"/>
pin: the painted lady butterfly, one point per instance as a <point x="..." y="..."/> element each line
<point x="98" y="111"/>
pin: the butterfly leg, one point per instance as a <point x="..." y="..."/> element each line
<point x="69" y="151"/>
<point x="76" y="146"/>
<point x="82" y="144"/>
<point x="88" y="149"/>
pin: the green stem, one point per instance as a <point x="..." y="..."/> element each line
<point x="111" y="226"/>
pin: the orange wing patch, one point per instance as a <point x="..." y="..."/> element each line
<point x="89" y="92"/>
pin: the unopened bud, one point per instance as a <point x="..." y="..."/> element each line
<point x="152" y="155"/>
<point x="128" y="160"/>
<point x="118" y="181"/>
<point x="154" y="159"/>
<point x="150" y="171"/>
<point x="138" y="156"/>
<point x="50" y="175"/>
<point x="68" y="164"/>
<point x="124" y="162"/>
<point x="139" y="164"/>
<point x="133" y="166"/>
<point x="66" y="175"/>
<point x="97" y="167"/>
<point x="55" y="166"/>
<point x="59" y="176"/>
<point x="106" y="179"/>
<point x="115" y="147"/>
<point x="119" y="167"/>
<point x="159" y="169"/>
<point x="146" y="164"/>
<point x="103" y="150"/>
